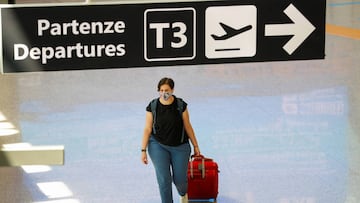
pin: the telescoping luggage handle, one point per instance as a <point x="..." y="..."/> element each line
<point x="201" y="167"/>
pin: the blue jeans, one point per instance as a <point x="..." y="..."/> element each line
<point x="171" y="163"/>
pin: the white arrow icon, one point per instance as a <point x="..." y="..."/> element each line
<point x="301" y="28"/>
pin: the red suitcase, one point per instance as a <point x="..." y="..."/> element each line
<point x="202" y="178"/>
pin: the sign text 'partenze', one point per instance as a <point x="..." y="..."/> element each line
<point x="79" y="50"/>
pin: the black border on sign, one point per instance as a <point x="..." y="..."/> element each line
<point x="22" y="21"/>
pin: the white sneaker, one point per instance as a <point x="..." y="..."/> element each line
<point x="184" y="199"/>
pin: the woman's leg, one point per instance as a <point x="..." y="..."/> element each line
<point x="160" y="157"/>
<point x="179" y="159"/>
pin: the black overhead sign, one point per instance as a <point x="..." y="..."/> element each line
<point x="47" y="38"/>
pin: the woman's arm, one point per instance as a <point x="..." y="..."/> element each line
<point x="190" y="132"/>
<point x="146" y="136"/>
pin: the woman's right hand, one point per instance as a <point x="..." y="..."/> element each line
<point x="144" y="158"/>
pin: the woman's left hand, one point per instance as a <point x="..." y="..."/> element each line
<point x="196" y="151"/>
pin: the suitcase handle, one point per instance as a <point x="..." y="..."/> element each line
<point x="200" y="156"/>
<point x="202" y="165"/>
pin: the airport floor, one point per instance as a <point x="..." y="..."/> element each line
<point x="281" y="132"/>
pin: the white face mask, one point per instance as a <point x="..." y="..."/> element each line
<point x="165" y="95"/>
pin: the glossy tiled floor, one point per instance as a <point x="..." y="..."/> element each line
<point x="281" y="132"/>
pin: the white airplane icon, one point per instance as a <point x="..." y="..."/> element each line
<point x="230" y="31"/>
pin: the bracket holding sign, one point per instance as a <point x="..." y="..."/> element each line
<point x="161" y="34"/>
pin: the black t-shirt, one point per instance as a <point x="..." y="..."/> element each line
<point x="169" y="123"/>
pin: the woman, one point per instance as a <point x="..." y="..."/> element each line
<point x="166" y="136"/>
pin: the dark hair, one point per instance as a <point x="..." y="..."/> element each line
<point x="166" y="81"/>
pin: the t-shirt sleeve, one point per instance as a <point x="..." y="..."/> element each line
<point x="185" y="106"/>
<point x="148" y="108"/>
